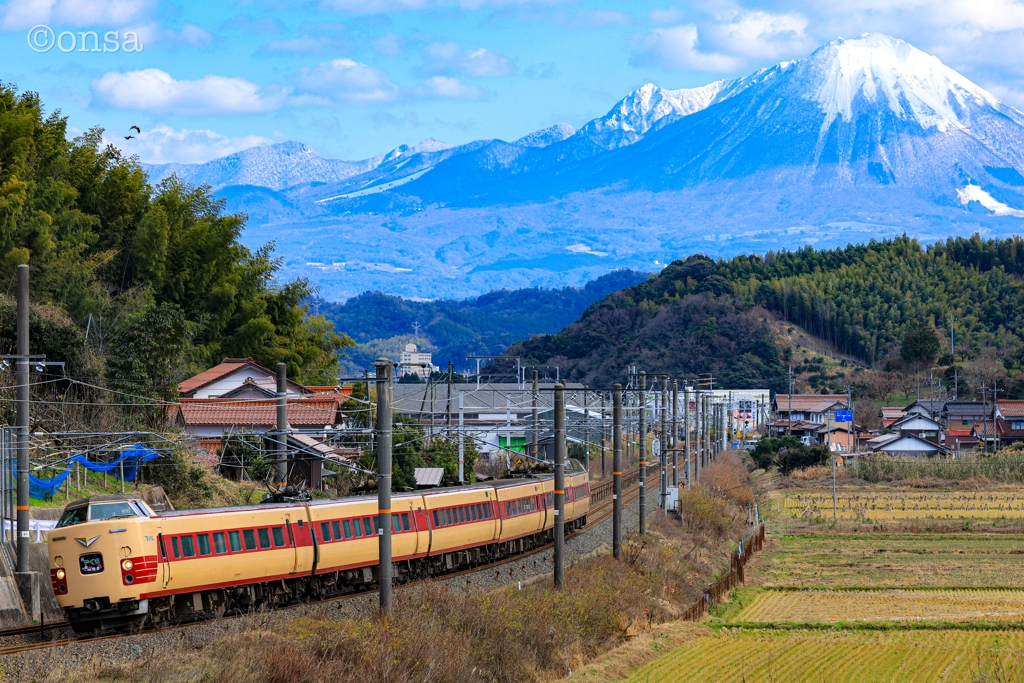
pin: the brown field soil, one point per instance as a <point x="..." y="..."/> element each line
<point x="880" y="506"/>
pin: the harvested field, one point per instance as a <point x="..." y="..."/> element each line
<point x="891" y="560"/>
<point x="913" y="655"/>
<point x="956" y="605"/>
<point x="881" y="506"/>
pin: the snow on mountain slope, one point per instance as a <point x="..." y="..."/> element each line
<point x="275" y="166"/>
<point x="648" y="107"/>
<point x="546" y="136"/>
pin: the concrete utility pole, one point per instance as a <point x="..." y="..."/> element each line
<point x="559" y="433"/>
<point x="617" y="471"/>
<point x="663" y="452"/>
<point x="686" y="436"/>
<point x="462" y="437"/>
<point x="536" y="418"/>
<point x="789" y="418"/>
<point x="603" y="434"/>
<point x="384" y="437"/>
<point x="698" y="434"/>
<point x="23" y="419"/>
<point x="643" y="453"/>
<point x="675" y="432"/>
<point x="282" y="424"/>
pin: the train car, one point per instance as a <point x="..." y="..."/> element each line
<point x="115" y="564"/>
<point x="577" y="496"/>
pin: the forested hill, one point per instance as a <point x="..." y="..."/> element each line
<point x="453" y="329"/>
<point x="699" y="315"/>
<point x="156" y="274"/>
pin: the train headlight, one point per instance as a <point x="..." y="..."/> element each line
<point x="61" y="574"/>
<point x="127" y="565"/>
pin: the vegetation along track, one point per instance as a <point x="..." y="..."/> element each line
<point x="602" y="494"/>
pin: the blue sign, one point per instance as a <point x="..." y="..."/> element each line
<point x="844" y="416"/>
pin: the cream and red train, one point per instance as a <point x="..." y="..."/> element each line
<point x="116" y="564"/>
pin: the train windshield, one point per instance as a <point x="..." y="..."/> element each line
<point x="76" y="516"/>
<point x="96" y="512"/>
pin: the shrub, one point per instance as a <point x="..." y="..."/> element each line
<point x="704" y="514"/>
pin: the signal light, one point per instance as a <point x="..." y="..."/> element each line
<point x="60" y="574"/>
<point x="127" y="565"/>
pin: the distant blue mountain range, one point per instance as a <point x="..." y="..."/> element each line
<point x="865" y="138"/>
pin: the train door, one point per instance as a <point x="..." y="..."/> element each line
<point x="165" y="560"/>
<point x="293" y="541"/>
<point x="421" y="525"/>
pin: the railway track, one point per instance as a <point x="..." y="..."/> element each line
<point x="602" y="494"/>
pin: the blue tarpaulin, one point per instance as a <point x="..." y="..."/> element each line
<point x="132" y="457"/>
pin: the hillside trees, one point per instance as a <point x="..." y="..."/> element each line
<point x="108" y="248"/>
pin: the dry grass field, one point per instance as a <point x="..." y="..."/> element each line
<point x="962" y="605"/>
<point x="883" y="506"/>
<point x="844" y="656"/>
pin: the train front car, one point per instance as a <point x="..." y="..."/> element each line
<point x="103" y="554"/>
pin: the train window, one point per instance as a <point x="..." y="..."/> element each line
<point x="325" y="531"/>
<point x="174" y="546"/>
<point x="204" y="544"/>
<point x="437" y="522"/>
<point x="462" y="514"/>
<point x="357" y="526"/>
<point x="405" y="521"/>
<point x="219" y="546"/>
<point x="188" y="548"/>
<point x="264" y="536"/>
<point x="448" y="514"/>
<point x="278" y="536"/>
<point x="396" y="524"/>
<point x="101" y="511"/>
<point x="487" y="510"/>
<point x="336" y="528"/>
<point x="368" y="526"/>
<point x="472" y="512"/>
<point x="75" y="516"/>
<point x="250" y="539"/>
<point x="347" y="526"/>
<point x="235" y="541"/>
<point x="508" y="509"/>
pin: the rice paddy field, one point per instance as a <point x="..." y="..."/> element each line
<point x="882" y="506"/>
<point x="897" y="592"/>
<point x="861" y="656"/>
<point x="962" y="605"/>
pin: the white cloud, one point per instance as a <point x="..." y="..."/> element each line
<point x="595" y="18"/>
<point x="255" y="25"/>
<point x="153" y="90"/>
<point x="675" y="47"/>
<point x="447" y="88"/>
<point x="450" y="58"/>
<point x="385" y="6"/>
<point x="18" y="15"/>
<point x="760" y="34"/>
<point x="306" y="45"/>
<point x="669" y="15"/>
<point x="346" y="82"/>
<point x="389" y="45"/>
<point x="164" y="144"/>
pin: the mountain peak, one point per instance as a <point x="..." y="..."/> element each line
<point x="877" y="69"/>
<point x="546" y="136"/>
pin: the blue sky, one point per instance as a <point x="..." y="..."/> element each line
<point x="356" y="78"/>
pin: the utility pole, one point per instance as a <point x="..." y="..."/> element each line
<point x="675" y="432"/>
<point x="282" y="425"/>
<point x="686" y="436"/>
<point x="952" y="340"/>
<point x="789" y="418"/>
<point x="384" y="437"/>
<point x="698" y="430"/>
<point x="536" y="418"/>
<point x="23" y="419"/>
<point x="643" y="453"/>
<point x="462" y="445"/>
<point x="617" y="471"/>
<point x="559" y="577"/>
<point x="603" y="433"/>
<point x="663" y="451"/>
<point x="448" y="407"/>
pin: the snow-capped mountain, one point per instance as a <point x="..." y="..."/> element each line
<point x="864" y="138"/>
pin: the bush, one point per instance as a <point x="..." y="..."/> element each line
<point x="704" y="514"/>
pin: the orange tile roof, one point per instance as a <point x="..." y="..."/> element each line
<point x="345" y="389"/>
<point x="958" y="432"/>
<point x="1011" y="408"/>
<point x="213" y="412"/>
<point x="225" y="367"/>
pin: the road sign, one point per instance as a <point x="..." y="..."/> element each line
<point x="844" y="416"/>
